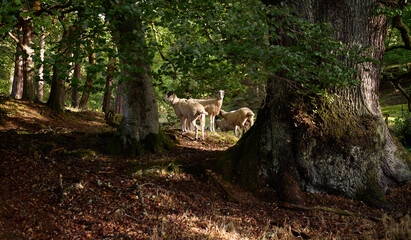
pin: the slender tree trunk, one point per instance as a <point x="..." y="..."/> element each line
<point x="109" y="84"/>
<point x="28" y="72"/>
<point x="347" y="149"/>
<point x="17" y="87"/>
<point x="119" y="99"/>
<point x="60" y="73"/>
<point x="88" y="84"/>
<point x="40" y="83"/>
<point x="74" y="85"/>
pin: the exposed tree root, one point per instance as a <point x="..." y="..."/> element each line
<point x="328" y="209"/>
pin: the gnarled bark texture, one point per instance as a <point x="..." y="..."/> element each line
<point x="348" y="150"/>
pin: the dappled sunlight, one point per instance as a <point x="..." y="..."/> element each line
<point x="38" y="118"/>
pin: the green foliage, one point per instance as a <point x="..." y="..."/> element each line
<point x="398" y="56"/>
<point x="192" y="46"/>
<point x="402" y="126"/>
<point x="218" y="45"/>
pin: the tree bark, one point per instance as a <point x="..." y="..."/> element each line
<point x="60" y="73"/>
<point x="17" y="87"/>
<point x="40" y="83"/>
<point x="28" y="67"/>
<point x="88" y="84"/>
<point x="109" y="84"/>
<point x="347" y="149"/>
<point x="74" y="85"/>
<point x="119" y="99"/>
<point x="139" y="127"/>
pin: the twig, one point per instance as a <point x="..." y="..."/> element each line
<point x="140" y="198"/>
<point x="327" y="209"/>
<point x="60" y="189"/>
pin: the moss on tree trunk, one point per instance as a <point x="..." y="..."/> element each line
<point x="342" y="147"/>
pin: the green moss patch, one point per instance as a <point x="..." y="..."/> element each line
<point x="339" y="125"/>
<point x="372" y="192"/>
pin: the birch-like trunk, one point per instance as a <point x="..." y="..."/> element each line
<point x="40" y="84"/>
<point x="17" y="87"/>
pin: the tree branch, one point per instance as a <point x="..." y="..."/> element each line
<point x="162" y="54"/>
<point x="24" y="47"/>
<point x="405" y="33"/>
<point x="394" y="48"/>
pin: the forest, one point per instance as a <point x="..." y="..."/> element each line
<point x="205" y="119"/>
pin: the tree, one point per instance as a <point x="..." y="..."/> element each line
<point x="109" y="84"/>
<point x="24" y="43"/>
<point x="89" y="80"/>
<point x="17" y="86"/>
<point x="60" y="71"/>
<point x="28" y="67"/>
<point x="40" y="83"/>
<point x="336" y="141"/>
<point x="74" y="85"/>
<point x="139" y="128"/>
<point x="119" y="99"/>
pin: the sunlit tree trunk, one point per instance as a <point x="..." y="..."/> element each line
<point x="88" y="84"/>
<point x="40" y="83"/>
<point x="17" y="87"/>
<point x="109" y="84"/>
<point x="348" y="149"/>
<point x="28" y="67"/>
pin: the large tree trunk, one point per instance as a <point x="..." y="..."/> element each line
<point x="347" y="149"/>
<point x="109" y="84"/>
<point x="89" y="82"/>
<point x="17" y="87"/>
<point x="60" y="73"/>
<point x="139" y="128"/>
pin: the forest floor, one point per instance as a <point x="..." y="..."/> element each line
<point x="57" y="181"/>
